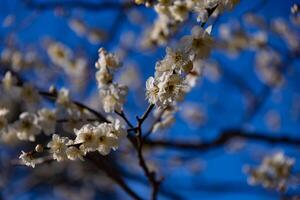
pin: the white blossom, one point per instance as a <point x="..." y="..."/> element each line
<point x="152" y="90"/>
<point x="9" y="81"/>
<point x="59" y="53"/>
<point x="171" y="87"/>
<point x="58" y="147"/>
<point x="28" y="160"/>
<point x="3" y="119"/>
<point x="107" y="60"/>
<point x="166" y="118"/>
<point x="74" y="153"/>
<point x="47" y="120"/>
<point x="87" y="138"/>
<point x="101" y="137"/>
<point x="179" y="10"/>
<point x="273" y="172"/>
<point x="63" y="97"/>
<point x="175" y="60"/>
<point x="103" y="77"/>
<point x="199" y="44"/>
<point x="113" y="97"/>
<point x="106" y="138"/>
<point x="117" y="128"/>
<point x="26" y="127"/>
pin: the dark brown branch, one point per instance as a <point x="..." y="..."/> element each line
<point x="210" y="11"/>
<point x="112" y="172"/>
<point x="145" y="115"/>
<point x="123" y="116"/>
<point x="157" y="120"/>
<point x="53" y="96"/>
<point x="151" y="175"/>
<point x="220" y="141"/>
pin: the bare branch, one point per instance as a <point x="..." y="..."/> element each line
<point x="220" y="141"/>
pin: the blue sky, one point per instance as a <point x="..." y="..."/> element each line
<point x="224" y="104"/>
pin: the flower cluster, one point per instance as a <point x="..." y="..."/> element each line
<point x="171" y="13"/>
<point x="94" y="35"/>
<point x="20" y="60"/>
<point x="274" y="172"/>
<point x="166" y="118"/>
<point x="29" y="125"/>
<point x="62" y="56"/>
<point x="112" y="94"/>
<point x="291" y="37"/>
<point x="268" y="67"/>
<point x="174" y="75"/>
<point x="295" y="11"/>
<point x="168" y="83"/>
<point x="3" y="120"/>
<point x="102" y="137"/>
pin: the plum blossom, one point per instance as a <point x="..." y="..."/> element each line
<point x="273" y="172"/>
<point x="28" y="160"/>
<point x="113" y="97"/>
<point x="58" y="147"/>
<point x="47" y="120"/>
<point x="26" y="127"/>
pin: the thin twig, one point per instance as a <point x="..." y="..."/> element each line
<point x="151" y="175"/>
<point x="123" y="116"/>
<point x="157" y="120"/>
<point x="111" y="172"/>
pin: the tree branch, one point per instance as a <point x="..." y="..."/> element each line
<point x="101" y="163"/>
<point x="151" y="175"/>
<point x="221" y="140"/>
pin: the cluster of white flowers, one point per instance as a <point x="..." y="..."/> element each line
<point x="268" y="67"/>
<point x="67" y="109"/>
<point x="62" y="56"/>
<point x="291" y="37"/>
<point x="101" y="137"/>
<point x="273" y="172"/>
<point x="94" y="35"/>
<point x="19" y="60"/>
<point x="175" y="74"/>
<point x="8" y="81"/>
<point x="30" y="125"/>
<point x="295" y="14"/>
<point x="166" y="118"/>
<point x="47" y="120"/>
<point x="28" y="159"/>
<point x="168" y="83"/>
<point x="3" y="120"/>
<point x="235" y="39"/>
<point x="61" y="149"/>
<point x="26" y="127"/>
<point x="171" y="13"/>
<point x="112" y="95"/>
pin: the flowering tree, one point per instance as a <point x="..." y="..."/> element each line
<point x="100" y="118"/>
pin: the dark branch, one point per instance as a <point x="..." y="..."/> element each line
<point x="123" y="116"/>
<point x="220" y="141"/>
<point x="103" y="164"/>
<point x="151" y="175"/>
